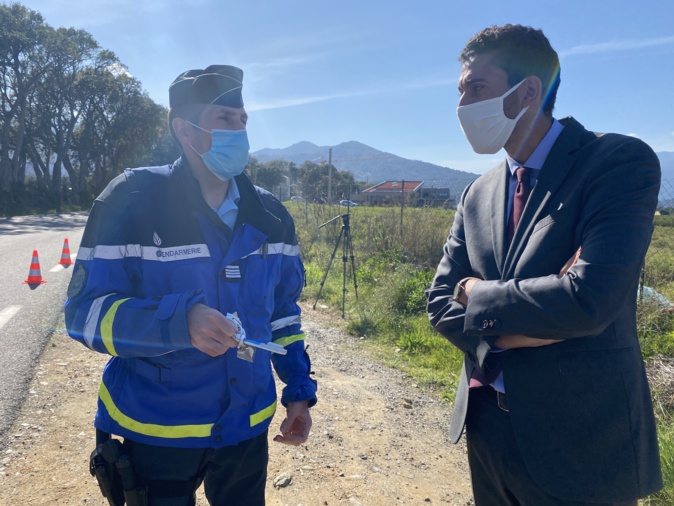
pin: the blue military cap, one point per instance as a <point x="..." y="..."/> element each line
<point x="216" y="84"/>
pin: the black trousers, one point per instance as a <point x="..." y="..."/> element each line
<point x="232" y="475"/>
<point x="497" y="471"/>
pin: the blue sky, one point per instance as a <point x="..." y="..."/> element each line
<point x="384" y="73"/>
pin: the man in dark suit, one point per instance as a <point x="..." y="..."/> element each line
<point x="537" y="287"/>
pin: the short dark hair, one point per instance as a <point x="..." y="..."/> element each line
<point x="520" y="51"/>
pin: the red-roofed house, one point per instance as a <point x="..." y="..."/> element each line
<point x="391" y="192"/>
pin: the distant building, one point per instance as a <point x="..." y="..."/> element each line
<point x="391" y="193"/>
<point x="436" y="197"/>
<point x="414" y="193"/>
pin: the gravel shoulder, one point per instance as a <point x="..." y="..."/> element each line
<point x="377" y="439"/>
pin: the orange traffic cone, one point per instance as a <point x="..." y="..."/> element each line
<point x="65" y="255"/>
<point x="34" y="276"/>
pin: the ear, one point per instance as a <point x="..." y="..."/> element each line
<point x="531" y="91"/>
<point x="182" y="129"/>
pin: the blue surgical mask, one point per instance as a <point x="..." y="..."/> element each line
<point x="228" y="155"/>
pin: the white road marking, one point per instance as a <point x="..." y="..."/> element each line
<point x="7" y="313"/>
<point x="59" y="267"/>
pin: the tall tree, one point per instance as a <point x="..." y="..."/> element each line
<point x="269" y="175"/>
<point x="314" y="181"/>
<point x="23" y="63"/>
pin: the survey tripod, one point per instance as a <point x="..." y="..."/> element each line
<point x="347" y="253"/>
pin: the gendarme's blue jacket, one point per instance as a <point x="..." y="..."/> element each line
<point x="153" y="248"/>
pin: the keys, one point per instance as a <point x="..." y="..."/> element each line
<point x="245" y="342"/>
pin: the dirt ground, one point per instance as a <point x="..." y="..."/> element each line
<point x="377" y="439"/>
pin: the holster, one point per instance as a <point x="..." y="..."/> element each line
<point x="107" y="477"/>
<point x="111" y="466"/>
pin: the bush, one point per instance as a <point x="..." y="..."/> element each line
<point x="655" y="329"/>
<point x="409" y="297"/>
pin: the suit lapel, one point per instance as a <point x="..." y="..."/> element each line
<point x="554" y="172"/>
<point x="498" y="216"/>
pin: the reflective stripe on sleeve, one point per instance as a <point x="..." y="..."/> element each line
<point x="285" y="341"/>
<point x="89" y="331"/>
<point x="278" y="248"/>
<point x="285" y="322"/>
<point x="106" y="327"/>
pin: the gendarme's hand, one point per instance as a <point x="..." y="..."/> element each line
<point x="297" y="424"/>
<point x="210" y="331"/>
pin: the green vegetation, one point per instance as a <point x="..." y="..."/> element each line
<point x="396" y="252"/>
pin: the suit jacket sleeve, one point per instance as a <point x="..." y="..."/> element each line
<point x="447" y="316"/>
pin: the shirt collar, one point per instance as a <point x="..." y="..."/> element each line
<point x="537" y="158"/>
<point x="231" y="202"/>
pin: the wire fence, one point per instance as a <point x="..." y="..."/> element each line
<point x="657" y="280"/>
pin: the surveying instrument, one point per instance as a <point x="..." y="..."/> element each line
<point x="347" y="253"/>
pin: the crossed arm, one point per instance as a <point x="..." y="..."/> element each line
<point x="509" y="341"/>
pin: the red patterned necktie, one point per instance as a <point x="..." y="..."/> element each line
<point x="519" y="199"/>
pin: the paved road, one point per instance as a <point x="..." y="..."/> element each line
<point x="30" y="314"/>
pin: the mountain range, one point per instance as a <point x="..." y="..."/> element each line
<point x="372" y="166"/>
<point x="368" y="164"/>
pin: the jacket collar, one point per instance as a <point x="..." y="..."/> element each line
<point x="251" y="207"/>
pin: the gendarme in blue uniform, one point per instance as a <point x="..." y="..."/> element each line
<point x="151" y="250"/>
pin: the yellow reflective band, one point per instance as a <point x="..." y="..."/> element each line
<point x="151" y="429"/>
<point x="106" y="327"/>
<point x="285" y="341"/>
<point x="261" y="416"/>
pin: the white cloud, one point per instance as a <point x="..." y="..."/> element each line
<point x="617" y="45"/>
<point x="117" y="69"/>
<point x="293" y="102"/>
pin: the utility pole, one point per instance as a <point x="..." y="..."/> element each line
<point x="330" y="176"/>
<point x="402" y="211"/>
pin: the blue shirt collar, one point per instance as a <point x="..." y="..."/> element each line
<point x="538" y="157"/>
<point x="230" y="206"/>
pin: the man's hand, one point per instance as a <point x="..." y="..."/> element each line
<point x="296" y="426"/>
<point x="463" y="295"/>
<point x="571" y="262"/>
<point x="509" y="341"/>
<point x="210" y="331"/>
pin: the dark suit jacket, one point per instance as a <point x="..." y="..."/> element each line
<point x="581" y="409"/>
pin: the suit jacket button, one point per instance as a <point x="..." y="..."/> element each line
<point x="497" y="324"/>
<point x="485" y="324"/>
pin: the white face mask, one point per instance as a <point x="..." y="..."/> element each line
<point x="485" y="125"/>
